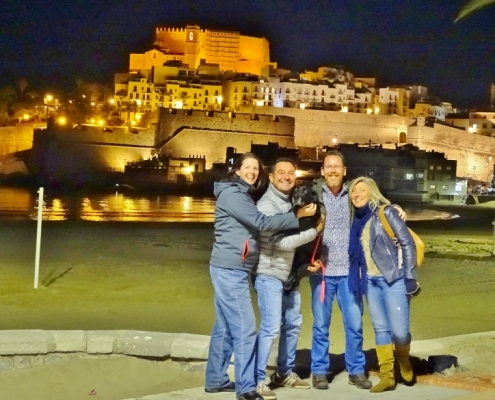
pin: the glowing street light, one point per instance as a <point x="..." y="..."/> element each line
<point x="92" y="120"/>
<point x="111" y="101"/>
<point x="334" y="140"/>
<point x="345" y="109"/>
<point x="25" y="117"/>
<point x="137" y="117"/>
<point x="49" y="97"/>
<point x="62" y="120"/>
<point x="101" y="122"/>
<point x="369" y="111"/>
<point x="377" y="110"/>
<point x="302" y="106"/>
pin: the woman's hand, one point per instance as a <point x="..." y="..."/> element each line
<point x="321" y="224"/>
<point x="402" y="213"/>
<point x="307" y="211"/>
<point x="315" y="267"/>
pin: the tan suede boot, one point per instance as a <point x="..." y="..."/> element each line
<point x="402" y="355"/>
<point x="385" y="355"/>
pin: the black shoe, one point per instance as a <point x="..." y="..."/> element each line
<point x="320" y="382"/>
<point x="228" y="388"/>
<point x="360" y="381"/>
<point x="250" y="396"/>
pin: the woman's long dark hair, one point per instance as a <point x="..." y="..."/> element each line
<point x="259" y="186"/>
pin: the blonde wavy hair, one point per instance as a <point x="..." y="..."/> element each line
<point x="376" y="197"/>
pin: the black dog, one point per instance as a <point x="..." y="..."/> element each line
<point x="301" y="196"/>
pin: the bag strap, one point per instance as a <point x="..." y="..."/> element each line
<point x="385" y="223"/>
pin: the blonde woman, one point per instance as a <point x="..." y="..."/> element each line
<point x="384" y="272"/>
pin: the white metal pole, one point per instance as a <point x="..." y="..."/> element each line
<point x="38" y="238"/>
<point x="493" y="223"/>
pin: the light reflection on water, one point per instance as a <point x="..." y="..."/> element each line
<point x="22" y="204"/>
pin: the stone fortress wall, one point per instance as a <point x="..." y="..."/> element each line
<point x="182" y="133"/>
<point x="64" y="151"/>
<point x="17" y="138"/>
<point x="471" y="151"/>
<point x="185" y="133"/>
<point x="318" y="127"/>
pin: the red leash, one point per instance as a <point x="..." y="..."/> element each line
<point x="315" y="248"/>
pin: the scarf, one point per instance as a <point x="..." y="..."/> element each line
<point x="357" y="267"/>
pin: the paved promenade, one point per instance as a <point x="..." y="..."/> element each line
<point x="340" y="390"/>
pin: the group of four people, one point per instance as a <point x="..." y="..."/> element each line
<point x="358" y="259"/>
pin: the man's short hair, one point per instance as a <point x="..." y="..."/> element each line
<point x="279" y="160"/>
<point x="333" y="153"/>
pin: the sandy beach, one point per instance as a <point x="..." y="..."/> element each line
<point x="154" y="277"/>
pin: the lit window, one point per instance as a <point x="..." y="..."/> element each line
<point x="433" y="186"/>
<point x="445" y="187"/>
<point x="439" y="167"/>
<point x="410" y="177"/>
<point x="370" y="173"/>
<point x="449" y="167"/>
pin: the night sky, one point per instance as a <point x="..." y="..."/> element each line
<point x="401" y="42"/>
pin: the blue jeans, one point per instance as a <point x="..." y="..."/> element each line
<point x="234" y="331"/>
<point x="277" y="308"/>
<point x="389" y="310"/>
<point x="352" y="312"/>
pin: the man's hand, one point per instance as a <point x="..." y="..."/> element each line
<point x="307" y="211"/>
<point x="315" y="267"/>
<point x="402" y="213"/>
<point x="321" y="224"/>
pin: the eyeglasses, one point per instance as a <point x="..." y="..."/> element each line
<point x="333" y="167"/>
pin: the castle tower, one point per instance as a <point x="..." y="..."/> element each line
<point x="191" y="54"/>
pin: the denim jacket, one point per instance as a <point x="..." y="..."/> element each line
<point x="394" y="261"/>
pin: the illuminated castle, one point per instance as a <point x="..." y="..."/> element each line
<point x="230" y="50"/>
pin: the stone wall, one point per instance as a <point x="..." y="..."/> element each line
<point x="318" y="127"/>
<point x="63" y="152"/>
<point x="468" y="149"/>
<point x="17" y="138"/>
<point x="170" y="123"/>
<point x="213" y="144"/>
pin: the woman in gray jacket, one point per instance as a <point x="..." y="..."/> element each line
<point x="235" y="254"/>
<point x="384" y="271"/>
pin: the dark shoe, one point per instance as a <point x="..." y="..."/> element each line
<point x="228" y="388"/>
<point x="360" y="381"/>
<point x="320" y="382"/>
<point x="249" y="396"/>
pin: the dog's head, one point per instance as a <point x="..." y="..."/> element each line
<point x="302" y="195"/>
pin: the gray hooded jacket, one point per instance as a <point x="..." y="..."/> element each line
<point x="237" y="223"/>
<point x="276" y="258"/>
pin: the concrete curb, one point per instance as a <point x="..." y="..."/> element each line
<point x="132" y="343"/>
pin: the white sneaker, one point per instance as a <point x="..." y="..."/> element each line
<point x="263" y="390"/>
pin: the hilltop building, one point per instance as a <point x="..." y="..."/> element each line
<point x="230" y="50"/>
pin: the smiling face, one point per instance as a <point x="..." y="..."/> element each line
<point x="283" y="177"/>
<point x="333" y="171"/>
<point x="360" y="195"/>
<point x="249" y="171"/>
